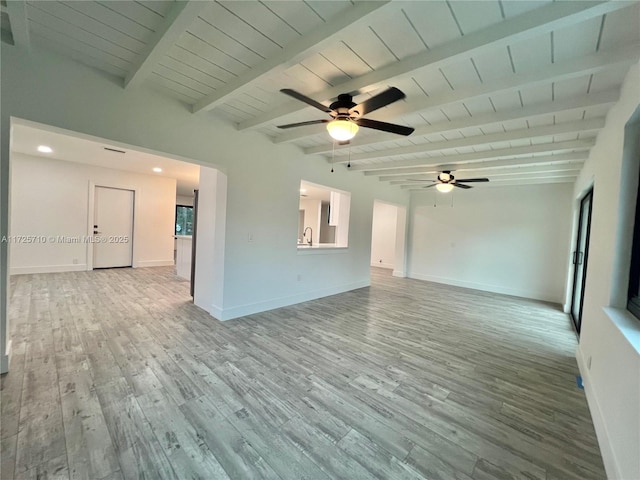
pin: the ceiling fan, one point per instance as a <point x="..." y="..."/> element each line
<point x="445" y="182"/>
<point x="346" y="116"/>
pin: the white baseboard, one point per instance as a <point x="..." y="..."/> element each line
<point x="216" y="312"/>
<point x="48" y="269"/>
<point x="516" y="292"/>
<point x="250" y="309"/>
<point x="608" y="455"/>
<point x="399" y="274"/>
<point x="154" y="263"/>
<point x="388" y="266"/>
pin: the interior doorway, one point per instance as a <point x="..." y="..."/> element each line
<point x="113" y="227"/>
<point x="388" y="237"/>
<point x="579" y="259"/>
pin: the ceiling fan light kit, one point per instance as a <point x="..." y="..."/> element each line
<point x="342" y="130"/>
<point x="444" y="187"/>
<point x="445" y="182"/>
<point x="347" y="116"/>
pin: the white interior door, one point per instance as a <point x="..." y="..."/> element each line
<point x="113" y="227"/>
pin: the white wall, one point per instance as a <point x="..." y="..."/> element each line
<point x="610" y="340"/>
<point x="51" y="198"/>
<point x="263" y="178"/>
<point x="184" y="200"/>
<point x="511" y="240"/>
<point x="383" y="235"/>
<point x="210" y="243"/>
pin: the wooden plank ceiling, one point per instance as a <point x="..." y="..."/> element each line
<point x="512" y="90"/>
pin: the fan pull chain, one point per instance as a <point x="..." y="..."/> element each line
<point x="333" y="153"/>
<point x="349" y="163"/>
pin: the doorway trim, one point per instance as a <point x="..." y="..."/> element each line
<point x="91" y="218"/>
<point x="400" y="260"/>
<point x="5" y="212"/>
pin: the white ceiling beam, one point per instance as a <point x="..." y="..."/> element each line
<point x="577" y="158"/>
<point x="383" y="168"/>
<point x="580" y="67"/>
<point x="176" y="22"/>
<point x="504" y="181"/>
<point x="608" y="97"/>
<point x="293" y="53"/>
<point x="564" y="160"/>
<point x="17" y="12"/>
<point x="569" y="70"/>
<point x="579" y="126"/>
<point x="533" y="181"/>
<point x="568" y="169"/>
<point x="528" y="25"/>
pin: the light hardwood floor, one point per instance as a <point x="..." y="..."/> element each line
<point x="115" y="374"/>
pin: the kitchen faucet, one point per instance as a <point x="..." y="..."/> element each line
<point x="304" y="234"/>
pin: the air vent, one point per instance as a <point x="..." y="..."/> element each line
<point x="114" y="150"/>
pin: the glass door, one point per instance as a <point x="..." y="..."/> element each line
<point x="579" y="259"/>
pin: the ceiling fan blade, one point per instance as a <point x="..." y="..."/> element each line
<point x="301" y="124"/>
<point x="461" y="185"/>
<point x="378" y="101"/>
<point x="472" y="180"/>
<point x="305" y="99"/>
<point x="432" y="185"/>
<point x="385" y="127"/>
<point x="417" y="180"/>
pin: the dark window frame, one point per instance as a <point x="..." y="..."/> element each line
<point x="581" y="257"/>
<point x="175" y="218"/>
<point x="633" y="293"/>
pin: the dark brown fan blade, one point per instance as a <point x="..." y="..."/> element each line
<point x="302" y="124"/>
<point x="417" y="180"/>
<point x="305" y="99"/>
<point x="385" y="127"/>
<point x="433" y="185"/>
<point x="378" y="101"/>
<point x="460" y="185"/>
<point x="468" y="180"/>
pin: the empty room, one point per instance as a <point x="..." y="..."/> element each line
<point x="320" y="239"/>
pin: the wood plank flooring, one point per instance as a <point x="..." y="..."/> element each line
<point x="115" y="374"/>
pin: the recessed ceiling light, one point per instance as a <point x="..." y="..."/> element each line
<point x="45" y="149"/>
<point x="157" y="169"/>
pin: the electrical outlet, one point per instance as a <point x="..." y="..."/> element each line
<point x="589" y="363"/>
<point x="250" y="238"/>
<point x="380" y="260"/>
<point x="75" y="261"/>
<point x="299" y="277"/>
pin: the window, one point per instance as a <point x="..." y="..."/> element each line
<point x="633" y="299"/>
<point x="184" y="220"/>
<point x="323" y="217"/>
